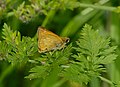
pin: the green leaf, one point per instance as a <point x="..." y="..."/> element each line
<point x="38" y="72"/>
<point x="108" y="59"/>
<point x="50" y="62"/>
<point x="4" y="50"/>
<point x="19" y="49"/>
<point x="108" y="51"/>
<point x="93" y="50"/>
<point x="8" y="34"/>
<point x="76" y="73"/>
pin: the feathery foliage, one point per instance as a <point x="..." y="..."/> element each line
<point x="93" y="51"/>
<point x="78" y="63"/>
<point x="87" y="60"/>
<point x="50" y="61"/>
<point x="17" y="48"/>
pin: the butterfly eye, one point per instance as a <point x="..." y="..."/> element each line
<point x="67" y="40"/>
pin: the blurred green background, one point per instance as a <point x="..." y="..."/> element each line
<point x="64" y="23"/>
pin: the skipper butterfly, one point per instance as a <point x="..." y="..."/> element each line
<point x="48" y="41"/>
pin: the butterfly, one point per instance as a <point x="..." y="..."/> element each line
<point x="48" y="41"/>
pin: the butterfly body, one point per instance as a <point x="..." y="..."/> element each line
<point x="48" y="41"/>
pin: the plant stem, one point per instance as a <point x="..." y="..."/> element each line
<point x="48" y="17"/>
<point x="107" y="81"/>
<point x="50" y="14"/>
<point x="6" y="72"/>
<point x="59" y="83"/>
<point x="98" y="7"/>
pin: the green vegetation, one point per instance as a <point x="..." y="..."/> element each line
<point x="90" y="59"/>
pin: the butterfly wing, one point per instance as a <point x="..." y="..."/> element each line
<point x="47" y="40"/>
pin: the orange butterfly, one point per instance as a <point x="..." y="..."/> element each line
<point x="48" y="41"/>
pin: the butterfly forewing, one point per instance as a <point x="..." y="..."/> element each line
<point x="47" y="40"/>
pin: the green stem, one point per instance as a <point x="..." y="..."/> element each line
<point x="107" y="81"/>
<point x="6" y="72"/>
<point x="48" y="17"/>
<point x="59" y="83"/>
<point x="98" y="7"/>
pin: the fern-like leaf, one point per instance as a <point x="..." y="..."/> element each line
<point x="51" y="62"/>
<point x="19" y="49"/>
<point x="93" y="50"/>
